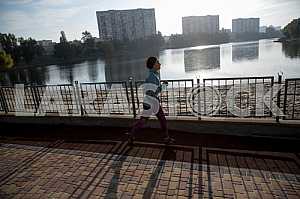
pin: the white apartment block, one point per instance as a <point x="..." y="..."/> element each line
<point x="126" y="24"/>
<point x="200" y="24"/>
<point x="248" y="25"/>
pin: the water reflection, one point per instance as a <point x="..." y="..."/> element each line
<point x="248" y="51"/>
<point x="37" y="75"/>
<point x="270" y="57"/>
<point x="291" y="49"/>
<point x="66" y="73"/>
<point x="124" y="66"/>
<point x="92" y="70"/>
<point x="24" y="76"/>
<point x="206" y="59"/>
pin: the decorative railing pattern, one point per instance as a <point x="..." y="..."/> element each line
<point x="245" y="93"/>
<point x="217" y="97"/>
<point x="291" y="104"/>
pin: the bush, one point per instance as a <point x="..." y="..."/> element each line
<point x="6" y="62"/>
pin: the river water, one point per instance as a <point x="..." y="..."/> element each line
<point x="256" y="58"/>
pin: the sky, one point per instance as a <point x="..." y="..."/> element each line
<point x="44" y="19"/>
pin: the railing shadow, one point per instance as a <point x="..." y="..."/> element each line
<point x="114" y="157"/>
<point x="250" y="170"/>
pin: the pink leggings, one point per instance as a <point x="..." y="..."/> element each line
<point x="142" y="121"/>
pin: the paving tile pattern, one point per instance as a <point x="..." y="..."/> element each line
<point x="246" y="176"/>
<point x="63" y="169"/>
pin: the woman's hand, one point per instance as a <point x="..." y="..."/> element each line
<point x="165" y="82"/>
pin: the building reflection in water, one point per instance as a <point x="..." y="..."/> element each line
<point x="66" y="73"/>
<point x="92" y="70"/>
<point x="202" y="59"/>
<point x="35" y="75"/>
<point x="291" y="49"/>
<point x="249" y="51"/>
<point x="122" y="67"/>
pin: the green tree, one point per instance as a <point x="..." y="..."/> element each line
<point x="9" y="44"/>
<point x="89" y="43"/>
<point x="6" y="61"/>
<point x="29" y="49"/>
<point x="86" y="36"/>
<point x="292" y="30"/>
<point x="68" y="50"/>
<point x="62" y="50"/>
<point x="76" y="48"/>
<point x="291" y="49"/>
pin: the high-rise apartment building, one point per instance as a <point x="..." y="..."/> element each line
<point x="126" y="24"/>
<point x="245" y="25"/>
<point x="200" y="24"/>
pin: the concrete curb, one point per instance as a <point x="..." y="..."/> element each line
<point x="238" y="127"/>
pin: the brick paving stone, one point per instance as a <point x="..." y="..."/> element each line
<point x="173" y="185"/>
<point x="66" y="173"/>
<point x="98" y="191"/>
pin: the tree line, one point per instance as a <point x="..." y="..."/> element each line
<point x="291" y="41"/>
<point x="292" y="30"/>
<point x="90" y="48"/>
<point x="180" y="41"/>
<point x="20" y="51"/>
<point x="14" y="50"/>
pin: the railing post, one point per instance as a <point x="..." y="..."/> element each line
<point x="3" y="101"/>
<point x="78" y="98"/>
<point x="198" y="92"/>
<point x="278" y="95"/>
<point x="204" y="98"/>
<point x="285" y="97"/>
<point x="271" y="96"/>
<point x="35" y="97"/>
<point x="132" y="96"/>
<point x="127" y="96"/>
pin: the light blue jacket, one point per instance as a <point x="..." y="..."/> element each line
<point x="154" y="78"/>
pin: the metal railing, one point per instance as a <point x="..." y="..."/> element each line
<point x="174" y="97"/>
<point x="2" y="102"/>
<point x="56" y="99"/>
<point x="291" y="104"/>
<point x="216" y="97"/>
<point x="222" y="95"/>
<point x="12" y="104"/>
<point x="105" y="98"/>
<point x="39" y="99"/>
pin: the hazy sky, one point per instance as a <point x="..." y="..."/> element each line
<point x="44" y="19"/>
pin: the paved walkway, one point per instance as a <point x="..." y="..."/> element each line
<point x="114" y="169"/>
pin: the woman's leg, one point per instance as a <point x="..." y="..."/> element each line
<point x="138" y="125"/>
<point x="163" y="121"/>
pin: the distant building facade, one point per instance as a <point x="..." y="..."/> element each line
<point x="126" y="24"/>
<point x="167" y="38"/>
<point x="263" y="29"/>
<point x="224" y="30"/>
<point x="76" y="42"/>
<point x="45" y="42"/>
<point x="48" y="46"/>
<point x="245" y="25"/>
<point x="277" y="27"/>
<point x="96" y="39"/>
<point x="200" y="24"/>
